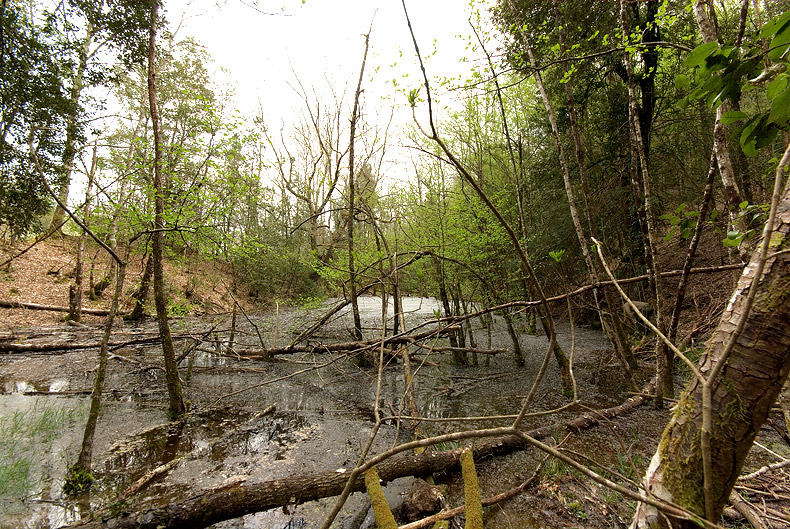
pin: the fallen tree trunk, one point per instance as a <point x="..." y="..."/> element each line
<point x="54" y="308"/>
<point x="475" y="350"/>
<point x="6" y="347"/>
<point x="347" y="346"/>
<point x="240" y="498"/>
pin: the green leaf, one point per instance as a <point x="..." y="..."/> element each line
<point x="732" y="116"/>
<point x="776" y="87"/>
<point x="774" y="25"/>
<point x="780" y="43"/>
<point x="780" y="109"/>
<point x="682" y="82"/>
<point x="766" y="136"/>
<point x="700" y="53"/>
<point x="748" y="135"/>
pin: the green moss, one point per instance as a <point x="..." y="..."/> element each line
<point x="78" y="481"/>
<point x="733" y="410"/>
<point x="681" y="458"/>
<point x="381" y="509"/>
<point x="577" y="509"/>
<point x="474" y="507"/>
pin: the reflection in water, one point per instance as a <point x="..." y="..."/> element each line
<point x="18" y="386"/>
<point x="216" y="437"/>
<point x="56" y="386"/>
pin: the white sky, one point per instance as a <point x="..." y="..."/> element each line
<point x="322" y="39"/>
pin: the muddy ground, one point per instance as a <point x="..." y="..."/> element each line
<point x="321" y="418"/>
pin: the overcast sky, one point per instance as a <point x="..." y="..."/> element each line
<point x="322" y="39"/>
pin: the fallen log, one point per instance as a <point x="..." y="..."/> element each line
<point x="443" y="349"/>
<point x="240" y="498"/>
<point x="6" y="347"/>
<point x="53" y="308"/>
<point x="347" y="346"/>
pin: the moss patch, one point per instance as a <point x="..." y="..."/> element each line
<point x="381" y="509"/>
<point x="474" y="507"/>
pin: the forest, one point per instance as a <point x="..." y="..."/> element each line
<point x="566" y="305"/>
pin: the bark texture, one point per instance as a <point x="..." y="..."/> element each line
<point x="742" y="395"/>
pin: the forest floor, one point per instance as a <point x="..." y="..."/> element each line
<point x="254" y="421"/>
<point x="43" y="274"/>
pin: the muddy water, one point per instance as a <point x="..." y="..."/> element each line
<point x="316" y="420"/>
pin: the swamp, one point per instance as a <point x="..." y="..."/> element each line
<point x="501" y="264"/>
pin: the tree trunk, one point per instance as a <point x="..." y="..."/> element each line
<point x="86" y="452"/>
<point x="518" y="354"/>
<point x="616" y="340"/>
<point x="72" y="128"/>
<point x="640" y="176"/>
<point x="141" y="294"/>
<point x="741" y="396"/>
<point x="174" y="390"/>
<point x="75" y="290"/>
<point x="352" y="278"/>
<point x="444" y="297"/>
<point x="721" y="133"/>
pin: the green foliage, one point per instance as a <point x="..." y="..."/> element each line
<point x="178" y="309"/>
<point x="78" y="481"/>
<point x="34" y="103"/>
<point x="629" y="464"/>
<point x="723" y="72"/>
<point x="682" y="223"/>
<point x="24" y="436"/>
<point x="577" y="509"/>
<point x="276" y="270"/>
<point x="754" y="215"/>
<point x="413" y="97"/>
<point x="557" y="255"/>
<point x="554" y="468"/>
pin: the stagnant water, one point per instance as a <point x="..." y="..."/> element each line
<point x="321" y="417"/>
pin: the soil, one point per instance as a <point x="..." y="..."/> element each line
<point x="320" y="416"/>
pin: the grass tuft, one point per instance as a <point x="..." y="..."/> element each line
<point x="24" y="435"/>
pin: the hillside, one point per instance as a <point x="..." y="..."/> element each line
<point x="42" y="275"/>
